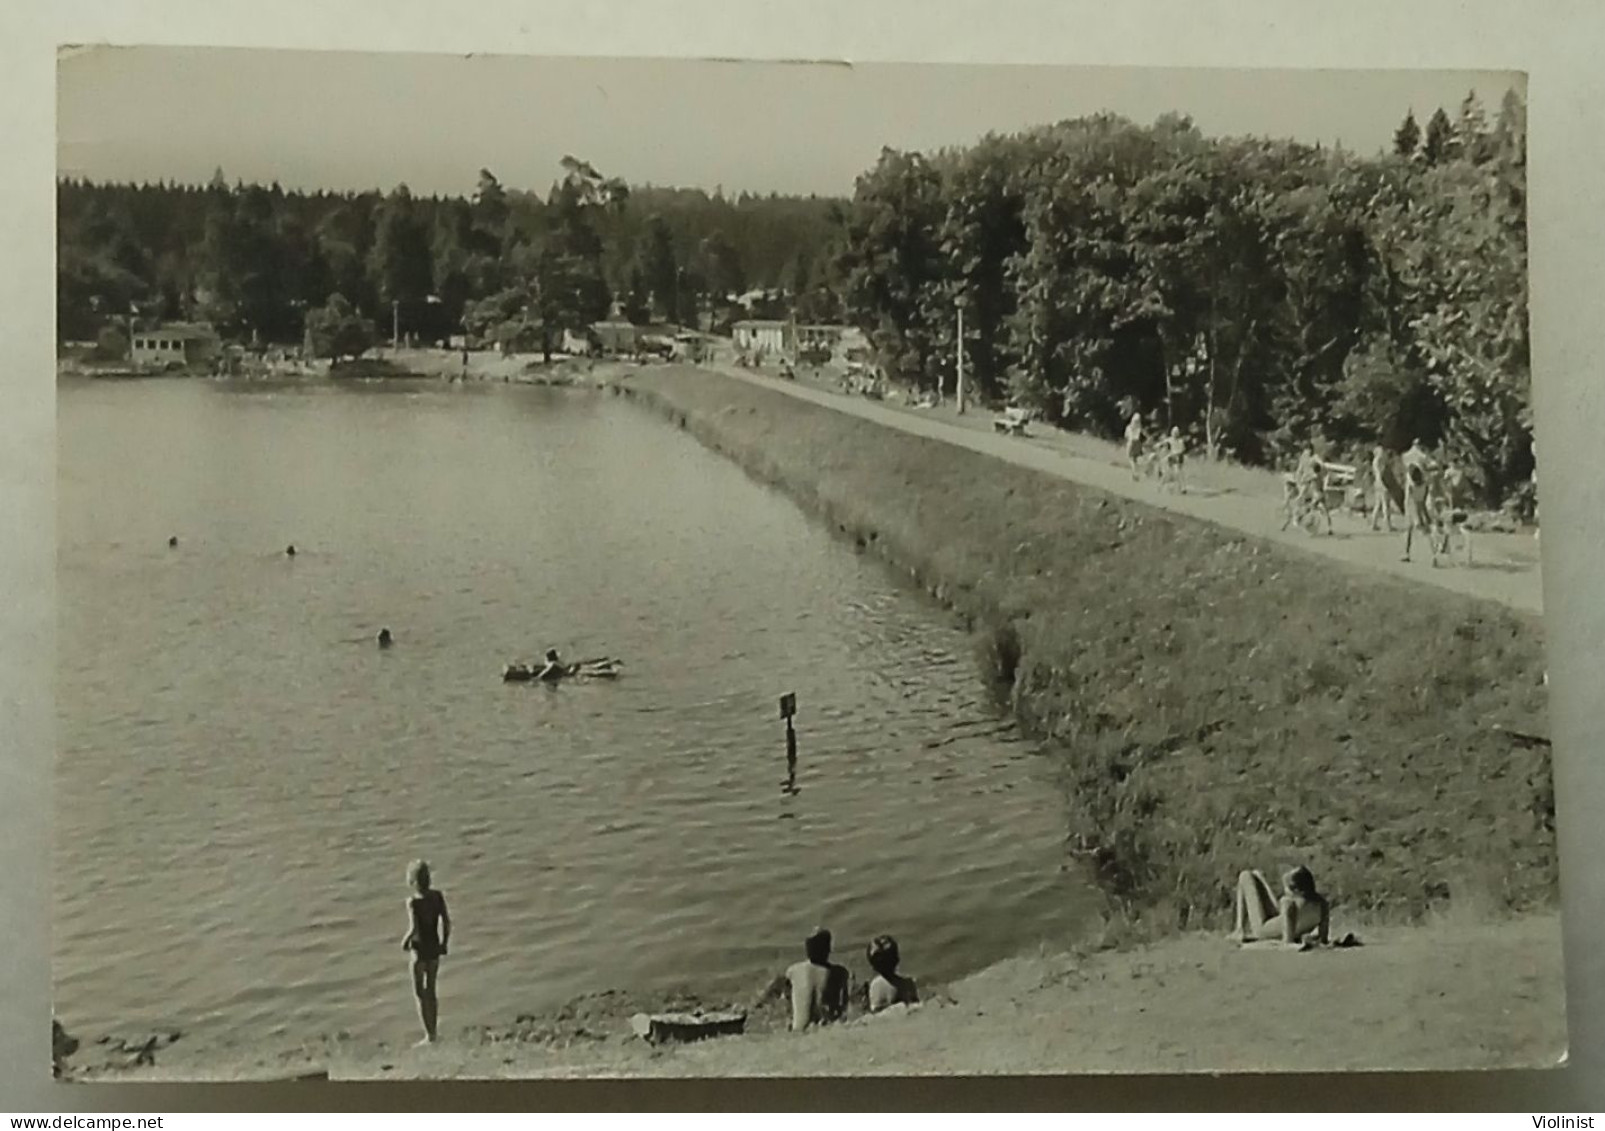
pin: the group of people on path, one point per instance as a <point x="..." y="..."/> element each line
<point x="1426" y="493"/>
<point x="1149" y="450"/>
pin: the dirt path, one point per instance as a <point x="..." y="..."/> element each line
<point x="1505" y="566"/>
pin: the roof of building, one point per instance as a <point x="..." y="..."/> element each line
<point x="754" y="323"/>
<point x="185" y="330"/>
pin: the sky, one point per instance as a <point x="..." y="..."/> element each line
<point x="335" y="120"/>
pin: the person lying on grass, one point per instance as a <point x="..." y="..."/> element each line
<point x="1301" y="912"/>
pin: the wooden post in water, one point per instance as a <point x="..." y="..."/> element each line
<point x="788" y="710"/>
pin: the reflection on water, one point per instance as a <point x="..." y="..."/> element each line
<point x="244" y="774"/>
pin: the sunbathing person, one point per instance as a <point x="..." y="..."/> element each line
<point x="1300" y="913"/>
<point x="818" y="986"/>
<point x="888" y="987"/>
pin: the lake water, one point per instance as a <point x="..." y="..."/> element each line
<point x="244" y="775"/>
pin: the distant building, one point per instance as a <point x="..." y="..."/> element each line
<point x="830" y="341"/>
<point x="610" y="337"/>
<point x="173" y="346"/>
<point x="615" y="337"/>
<point x="766" y="335"/>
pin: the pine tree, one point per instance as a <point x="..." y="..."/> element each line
<point x="1472" y="140"/>
<point x="1439" y="144"/>
<point x="1407" y="138"/>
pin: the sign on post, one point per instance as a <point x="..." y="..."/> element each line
<point x="788" y="705"/>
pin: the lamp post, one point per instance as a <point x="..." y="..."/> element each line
<point x="958" y="304"/>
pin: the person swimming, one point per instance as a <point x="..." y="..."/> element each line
<point x="1300" y="913"/>
<point x="172" y="541"/>
<point x="553" y="669"/>
<point x="888" y="987"/>
<point x="384" y="638"/>
<point x="289" y="551"/>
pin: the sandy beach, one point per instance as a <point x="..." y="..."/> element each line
<point x="1446" y="995"/>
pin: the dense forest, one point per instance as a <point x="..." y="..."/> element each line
<point x="1253" y="292"/>
<point x="510" y="265"/>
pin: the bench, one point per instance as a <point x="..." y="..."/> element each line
<point x="1012" y="421"/>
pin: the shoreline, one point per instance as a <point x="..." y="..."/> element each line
<point x="1310" y="713"/>
<point x="1143" y="936"/>
<point x="1451" y="994"/>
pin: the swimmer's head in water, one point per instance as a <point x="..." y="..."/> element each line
<point x="1299" y="881"/>
<point x="882" y="954"/>
<point x="290" y="549"/>
<point x="551" y="655"/>
<point x="418" y="875"/>
<point x="817" y="945"/>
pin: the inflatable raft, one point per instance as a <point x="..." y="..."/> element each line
<point x="604" y="668"/>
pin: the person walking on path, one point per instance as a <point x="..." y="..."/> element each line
<point x="1173" y="453"/>
<point x="1418" y="501"/>
<point x="1134" y="445"/>
<point x="428" y="934"/>
<point x="1381" y="489"/>
<point x="1310" y="481"/>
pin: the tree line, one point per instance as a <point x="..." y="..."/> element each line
<point x="1255" y="293"/>
<point x="510" y="266"/>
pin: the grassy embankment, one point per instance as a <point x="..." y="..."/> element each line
<point x="1218" y="702"/>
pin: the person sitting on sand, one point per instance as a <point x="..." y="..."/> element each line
<point x="553" y="669"/>
<point x="428" y="934"/>
<point x="818" y="986"/>
<point x="1292" y="919"/>
<point x="888" y="987"/>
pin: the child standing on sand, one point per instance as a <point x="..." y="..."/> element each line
<point x="428" y="932"/>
